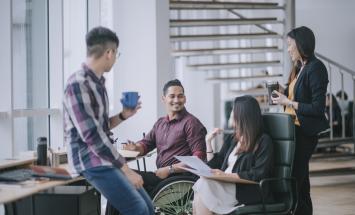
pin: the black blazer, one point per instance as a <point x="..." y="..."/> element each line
<point x="310" y="91"/>
<point x="253" y="166"/>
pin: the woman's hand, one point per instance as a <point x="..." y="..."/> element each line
<point x="281" y="99"/>
<point x="210" y="136"/>
<point x="217" y="172"/>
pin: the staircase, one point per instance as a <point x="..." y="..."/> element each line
<point x="240" y="46"/>
<point x="237" y="44"/>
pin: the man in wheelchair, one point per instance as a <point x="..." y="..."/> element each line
<point x="178" y="133"/>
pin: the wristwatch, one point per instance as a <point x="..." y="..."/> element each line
<point x="121" y="117"/>
<point x="171" y="170"/>
<point x="290" y="104"/>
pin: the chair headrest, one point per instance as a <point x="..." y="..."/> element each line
<point x="279" y="126"/>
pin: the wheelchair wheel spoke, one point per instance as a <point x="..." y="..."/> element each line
<point x="175" y="198"/>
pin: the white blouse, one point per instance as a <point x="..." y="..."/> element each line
<point x="231" y="160"/>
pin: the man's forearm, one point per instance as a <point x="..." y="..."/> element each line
<point x="115" y="121"/>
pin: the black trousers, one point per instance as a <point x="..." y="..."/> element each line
<point x="305" y="146"/>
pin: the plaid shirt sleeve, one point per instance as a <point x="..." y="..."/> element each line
<point x="78" y="99"/>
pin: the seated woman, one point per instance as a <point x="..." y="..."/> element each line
<point x="249" y="156"/>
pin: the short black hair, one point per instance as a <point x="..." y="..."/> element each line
<point x="305" y="41"/>
<point x="98" y="40"/>
<point x="171" y="83"/>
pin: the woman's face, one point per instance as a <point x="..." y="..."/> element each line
<point x="292" y="50"/>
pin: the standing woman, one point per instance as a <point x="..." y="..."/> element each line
<point x="304" y="99"/>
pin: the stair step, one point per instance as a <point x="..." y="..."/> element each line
<point x="221" y="22"/>
<point x="203" y="37"/>
<point x="204" y="5"/>
<point x="216" y="51"/>
<point x="245" y="78"/>
<point x="254" y="92"/>
<point x="219" y="66"/>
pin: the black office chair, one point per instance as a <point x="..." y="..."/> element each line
<point x="281" y="129"/>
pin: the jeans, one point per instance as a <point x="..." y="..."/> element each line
<point x="113" y="184"/>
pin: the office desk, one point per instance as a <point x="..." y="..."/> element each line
<point x="13" y="192"/>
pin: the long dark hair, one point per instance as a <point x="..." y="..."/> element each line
<point x="248" y="122"/>
<point x="305" y="43"/>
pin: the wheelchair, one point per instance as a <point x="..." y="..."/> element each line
<point x="174" y="195"/>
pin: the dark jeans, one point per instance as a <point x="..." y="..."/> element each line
<point x="113" y="184"/>
<point x="305" y="146"/>
<point x="150" y="182"/>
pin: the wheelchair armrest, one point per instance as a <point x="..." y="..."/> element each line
<point x="293" y="193"/>
<point x="149" y="154"/>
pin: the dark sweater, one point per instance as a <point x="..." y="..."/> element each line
<point x="254" y="166"/>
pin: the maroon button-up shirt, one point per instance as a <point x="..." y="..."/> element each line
<point x="184" y="136"/>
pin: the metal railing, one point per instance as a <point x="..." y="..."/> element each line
<point x="344" y="72"/>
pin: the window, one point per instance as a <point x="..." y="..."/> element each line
<point x="29" y="30"/>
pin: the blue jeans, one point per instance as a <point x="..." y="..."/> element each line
<point x="114" y="185"/>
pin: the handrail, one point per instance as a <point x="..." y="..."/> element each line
<point x="352" y="72"/>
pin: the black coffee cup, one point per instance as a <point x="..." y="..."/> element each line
<point x="271" y="86"/>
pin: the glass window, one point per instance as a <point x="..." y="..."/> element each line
<point x="30" y="53"/>
<point x="26" y="132"/>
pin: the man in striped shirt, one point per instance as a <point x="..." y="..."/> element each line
<point x="87" y="128"/>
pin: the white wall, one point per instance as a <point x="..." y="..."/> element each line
<point x="333" y="24"/>
<point x="144" y="64"/>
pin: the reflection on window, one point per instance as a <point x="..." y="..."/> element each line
<point x="30" y="53"/>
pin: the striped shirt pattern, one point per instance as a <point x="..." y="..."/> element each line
<point x="86" y="123"/>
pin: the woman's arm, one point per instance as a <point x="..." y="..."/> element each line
<point x="209" y="137"/>
<point x="317" y="83"/>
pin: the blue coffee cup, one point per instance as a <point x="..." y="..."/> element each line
<point x="129" y="99"/>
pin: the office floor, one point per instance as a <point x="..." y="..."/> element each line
<point x="333" y="194"/>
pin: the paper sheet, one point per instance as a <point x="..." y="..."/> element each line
<point x="198" y="167"/>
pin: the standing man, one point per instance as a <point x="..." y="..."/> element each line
<point x="87" y="128"/>
<point x="179" y="133"/>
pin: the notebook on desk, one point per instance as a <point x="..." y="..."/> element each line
<point x="15" y="175"/>
<point x="50" y="172"/>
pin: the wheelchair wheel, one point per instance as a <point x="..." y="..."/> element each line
<point x="174" y="196"/>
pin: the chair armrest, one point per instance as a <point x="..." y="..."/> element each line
<point x="293" y="193"/>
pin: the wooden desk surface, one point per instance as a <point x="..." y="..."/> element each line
<point x="13" y="192"/>
<point x="13" y="162"/>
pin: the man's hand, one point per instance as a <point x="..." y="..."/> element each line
<point x="133" y="177"/>
<point x="162" y="173"/>
<point x="130" y="146"/>
<point x="128" y="112"/>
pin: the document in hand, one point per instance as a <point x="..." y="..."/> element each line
<point x="198" y="167"/>
<point x="128" y="153"/>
